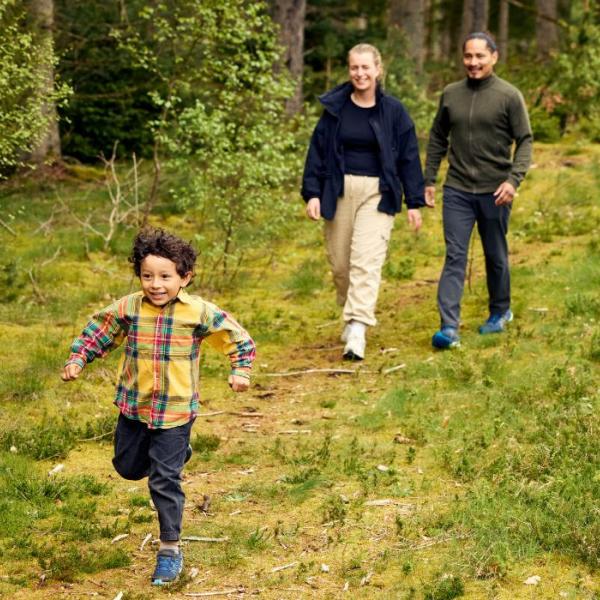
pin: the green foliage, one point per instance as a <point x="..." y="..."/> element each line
<point x="23" y="61"/>
<point x="205" y="443"/>
<point x="222" y="122"/>
<point x="111" y="97"/>
<point x="402" y="82"/>
<point x="445" y="587"/>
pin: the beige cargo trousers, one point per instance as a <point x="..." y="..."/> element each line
<point x="357" y="240"/>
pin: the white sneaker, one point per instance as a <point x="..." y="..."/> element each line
<point x="355" y="344"/>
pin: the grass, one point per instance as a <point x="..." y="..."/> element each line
<point x="460" y="475"/>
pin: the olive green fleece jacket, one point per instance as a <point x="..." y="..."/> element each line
<point x="477" y="122"/>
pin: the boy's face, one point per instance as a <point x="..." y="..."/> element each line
<point x="160" y="280"/>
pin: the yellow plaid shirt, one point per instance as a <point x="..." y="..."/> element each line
<point x="158" y="377"/>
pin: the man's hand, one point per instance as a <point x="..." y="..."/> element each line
<point x="414" y="218"/>
<point x="505" y="193"/>
<point x="238" y="384"/>
<point x="70" y="372"/>
<point x="313" y="209"/>
<point x="430" y="196"/>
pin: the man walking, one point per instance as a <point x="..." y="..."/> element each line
<point x="478" y="120"/>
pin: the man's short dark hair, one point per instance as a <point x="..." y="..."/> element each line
<point x="488" y="38"/>
<point x="158" y="242"/>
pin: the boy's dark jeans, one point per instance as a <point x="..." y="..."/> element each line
<point x="158" y="454"/>
<point x="461" y="210"/>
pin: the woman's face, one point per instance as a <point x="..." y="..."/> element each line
<point x="363" y="71"/>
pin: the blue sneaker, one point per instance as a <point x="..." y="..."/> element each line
<point x="496" y="323"/>
<point x="446" y="337"/>
<point x="169" y="565"/>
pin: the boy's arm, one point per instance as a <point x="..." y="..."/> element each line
<point x="225" y="334"/>
<point x="104" y="332"/>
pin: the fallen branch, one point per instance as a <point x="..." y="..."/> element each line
<point x="195" y="538"/>
<point x="215" y="593"/>
<point x="294" y="431"/>
<point x="36" y="288"/>
<point x="8" y="227"/>
<point x="247" y="414"/>
<point x="54" y="257"/>
<point x="283" y="567"/>
<point x="97" y="437"/>
<point x="145" y="541"/>
<point x="212" y="414"/>
<point x="310" y="371"/>
<point x="392" y="369"/>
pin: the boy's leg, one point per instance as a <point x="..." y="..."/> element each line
<point x="492" y="223"/>
<point x="167" y="452"/>
<point x="132" y="441"/>
<point x="458" y="218"/>
<point x="370" y="237"/>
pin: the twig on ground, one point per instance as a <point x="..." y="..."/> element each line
<point x="310" y="371"/>
<point x="239" y="590"/>
<point x="145" y="541"/>
<point x="283" y="567"/>
<point x="212" y="414"/>
<point x="97" y="437"/>
<point x="119" y="537"/>
<point x="196" y="538"/>
<point x="328" y="324"/>
<point x="36" y="288"/>
<point x="392" y="369"/>
<point x="52" y="258"/>
<point x="8" y="228"/>
<point x="294" y="431"/>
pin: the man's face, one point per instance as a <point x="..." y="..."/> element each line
<point x="478" y="59"/>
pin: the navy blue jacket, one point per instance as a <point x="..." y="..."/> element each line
<point x="398" y="150"/>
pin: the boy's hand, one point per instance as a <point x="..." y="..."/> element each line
<point x="238" y="384"/>
<point x="71" y="372"/>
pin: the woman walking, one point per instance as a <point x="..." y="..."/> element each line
<point x="363" y="158"/>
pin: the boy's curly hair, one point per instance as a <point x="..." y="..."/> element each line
<point x="158" y="242"/>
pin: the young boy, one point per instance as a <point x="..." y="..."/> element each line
<point x="157" y="386"/>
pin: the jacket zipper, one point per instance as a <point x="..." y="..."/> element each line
<point x="471" y="138"/>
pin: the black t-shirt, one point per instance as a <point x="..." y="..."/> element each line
<point x="361" y="151"/>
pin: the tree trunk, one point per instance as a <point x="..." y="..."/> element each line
<point x="475" y="17"/>
<point x="503" y="20"/>
<point x="546" y="28"/>
<point x="289" y="15"/>
<point x="48" y="147"/>
<point x="409" y="17"/>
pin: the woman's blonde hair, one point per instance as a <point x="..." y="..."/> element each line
<point x="363" y="48"/>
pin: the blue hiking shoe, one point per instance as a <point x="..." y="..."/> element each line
<point x="169" y="565"/>
<point x="496" y="323"/>
<point x="445" y="338"/>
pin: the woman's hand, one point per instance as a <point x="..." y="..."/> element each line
<point x="414" y="218"/>
<point x="238" y="384"/>
<point x="313" y="209"/>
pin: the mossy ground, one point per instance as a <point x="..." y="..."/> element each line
<point x="487" y="457"/>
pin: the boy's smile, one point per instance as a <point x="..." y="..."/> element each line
<point x="160" y="280"/>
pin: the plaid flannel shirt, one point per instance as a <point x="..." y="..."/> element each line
<point x="158" y="378"/>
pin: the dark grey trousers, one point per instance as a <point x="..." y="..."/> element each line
<point x="158" y="454"/>
<point x="461" y="211"/>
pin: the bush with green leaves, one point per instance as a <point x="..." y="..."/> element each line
<point x="23" y="62"/>
<point x="222" y="129"/>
